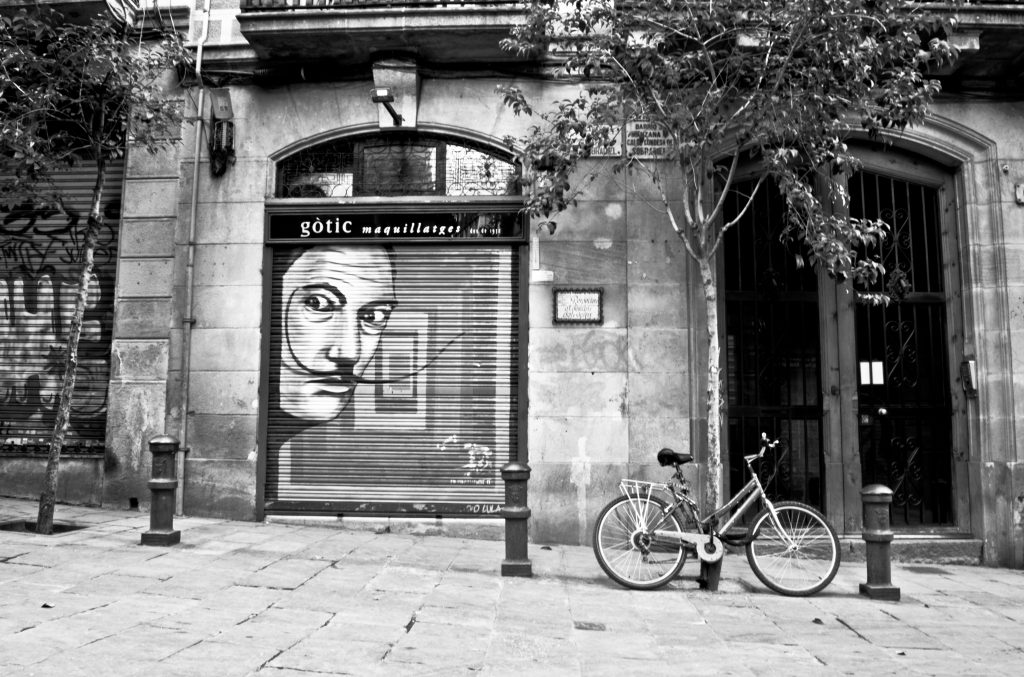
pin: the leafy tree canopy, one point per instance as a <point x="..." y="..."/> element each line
<point x="70" y="91"/>
<point x="776" y="83"/>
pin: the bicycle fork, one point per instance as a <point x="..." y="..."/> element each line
<point x="754" y="485"/>
<point x="791" y="545"/>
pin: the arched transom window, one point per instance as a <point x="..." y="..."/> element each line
<point x="396" y="164"/>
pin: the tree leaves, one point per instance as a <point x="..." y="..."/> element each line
<point x="773" y="85"/>
<point x="549" y="156"/>
<point x="71" y="91"/>
<point x="784" y="80"/>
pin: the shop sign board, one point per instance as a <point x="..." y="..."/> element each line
<point x="328" y="226"/>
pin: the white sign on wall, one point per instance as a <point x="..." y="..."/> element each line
<point x="647" y="140"/>
<point x="578" y="306"/>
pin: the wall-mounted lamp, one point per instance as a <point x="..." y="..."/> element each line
<point x="969" y="377"/>
<point x="383" y="95"/>
<point x="222" y="131"/>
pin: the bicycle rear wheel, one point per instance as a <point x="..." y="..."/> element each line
<point x="626" y="548"/>
<point x="799" y="555"/>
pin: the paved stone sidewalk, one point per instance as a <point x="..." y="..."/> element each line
<point x="275" y="600"/>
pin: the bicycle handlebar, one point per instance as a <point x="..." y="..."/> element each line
<point x="766" y="444"/>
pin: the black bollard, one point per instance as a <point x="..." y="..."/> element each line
<point x="710" y="575"/>
<point x="877" y="539"/>
<point x="515" y="512"/>
<point x="162" y="487"/>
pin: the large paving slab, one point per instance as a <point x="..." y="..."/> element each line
<point x="278" y="600"/>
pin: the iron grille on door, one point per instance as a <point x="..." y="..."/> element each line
<point x="903" y="381"/>
<point x="772" y="350"/>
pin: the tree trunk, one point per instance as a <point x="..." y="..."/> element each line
<point x="48" y="497"/>
<point x="712" y="494"/>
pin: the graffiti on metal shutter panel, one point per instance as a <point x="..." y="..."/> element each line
<point x="387" y="384"/>
<point x="40" y="252"/>
<point x="337" y="305"/>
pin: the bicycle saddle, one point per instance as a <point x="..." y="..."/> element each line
<point x="669" y="457"/>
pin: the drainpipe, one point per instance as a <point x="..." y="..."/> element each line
<point x="187" y="320"/>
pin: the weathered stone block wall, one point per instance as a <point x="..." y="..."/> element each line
<point x="993" y="243"/>
<point x="79" y="480"/>
<point x="143" y="314"/>
<point x="224" y="339"/>
<point x="603" y="399"/>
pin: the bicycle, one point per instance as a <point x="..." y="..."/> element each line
<point x="642" y="540"/>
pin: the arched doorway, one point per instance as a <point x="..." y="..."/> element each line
<point x="905" y="377"/>
<point x="860" y="393"/>
<point x="392" y="367"/>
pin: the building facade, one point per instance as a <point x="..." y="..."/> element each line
<point x="328" y="293"/>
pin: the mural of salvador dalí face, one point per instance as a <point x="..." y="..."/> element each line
<point x="337" y="301"/>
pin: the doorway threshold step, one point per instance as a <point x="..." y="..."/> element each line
<point x="924" y="548"/>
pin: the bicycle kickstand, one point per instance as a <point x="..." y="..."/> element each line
<point x="710" y="572"/>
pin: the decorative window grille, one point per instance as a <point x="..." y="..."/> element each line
<point x="396" y="164"/>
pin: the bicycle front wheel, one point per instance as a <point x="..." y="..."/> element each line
<point x="798" y="555"/>
<point x="627" y="548"/>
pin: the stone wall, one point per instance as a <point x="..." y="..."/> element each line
<point x="603" y="399"/>
<point x="143" y="317"/>
<point x="79" y="480"/>
<point x="224" y="354"/>
<point x="992" y="241"/>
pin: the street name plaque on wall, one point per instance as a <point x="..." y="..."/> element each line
<point x="643" y="139"/>
<point x="647" y="140"/>
<point x="578" y="306"/>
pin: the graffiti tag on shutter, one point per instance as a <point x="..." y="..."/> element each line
<point x="40" y="251"/>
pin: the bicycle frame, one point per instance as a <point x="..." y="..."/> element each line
<point x="749" y="494"/>
<point x="709" y="533"/>
<point x="746" y="497"/>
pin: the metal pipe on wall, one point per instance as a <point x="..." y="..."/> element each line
<point x="187" y="320"/>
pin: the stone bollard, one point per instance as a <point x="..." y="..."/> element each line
<point x="877" y="539"/>
<point x="162" y="487"/>
<point x="515" y="512"/>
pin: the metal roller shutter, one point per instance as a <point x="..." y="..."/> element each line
<point x="433" y="411"/>
<point x="40" y="262"/>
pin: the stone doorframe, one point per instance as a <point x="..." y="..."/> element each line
<point x="986" y="423"/>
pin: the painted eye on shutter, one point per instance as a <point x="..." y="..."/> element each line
<point x="437" y="417"/>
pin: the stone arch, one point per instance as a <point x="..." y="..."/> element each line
<point x="488" y="165"/>
<point x="972" y="158"/>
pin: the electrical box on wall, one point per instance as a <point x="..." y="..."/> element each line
<point x="222" y="131"/>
